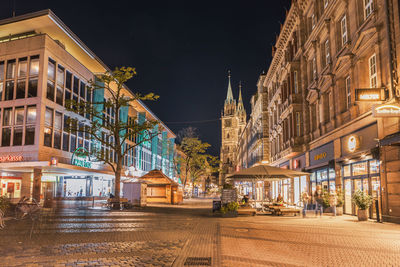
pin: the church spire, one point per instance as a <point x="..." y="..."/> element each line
<point x="240" y="101"/>
<point x="229" y="95"/>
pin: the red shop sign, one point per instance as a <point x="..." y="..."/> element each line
<point x="10" y="158"/>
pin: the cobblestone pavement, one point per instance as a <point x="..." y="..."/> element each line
<point x="174" y="236"/>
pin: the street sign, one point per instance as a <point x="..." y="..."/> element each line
<point x="370" y="94"/>
<point x="386" y="110"/>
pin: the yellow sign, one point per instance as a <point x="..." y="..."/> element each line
<point x="386" y="110"/>
<point x="320" y="156"/>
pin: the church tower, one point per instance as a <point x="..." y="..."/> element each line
<point x="233" y="121"/>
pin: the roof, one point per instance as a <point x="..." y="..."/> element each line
<point x="158" y="177"/>
<point x="45" y="21"/>
<point x="262" y="172"/>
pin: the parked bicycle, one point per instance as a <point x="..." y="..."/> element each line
<point x="27" y="208"/>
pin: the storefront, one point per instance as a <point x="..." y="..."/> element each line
<point x="322" y="168"/>
<point x="300" y="183"/>
<point x="360" y="171"/>
<point x="10" y="186"/>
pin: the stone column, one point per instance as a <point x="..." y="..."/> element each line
<point x="26" y="184"/>
<point x="37" y="181"/>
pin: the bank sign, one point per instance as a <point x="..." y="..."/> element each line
<point x="81" y="158"/>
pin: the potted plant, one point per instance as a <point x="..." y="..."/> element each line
<point x="230" y="209"/>
<point x="339" y="201"/>
<point x="363" y="201"/>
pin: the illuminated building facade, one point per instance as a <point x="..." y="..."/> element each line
<point x="42" y="65"/>
<point x="334" y="63"/>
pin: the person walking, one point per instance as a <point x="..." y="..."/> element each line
<point x="333" y="202"/>
<point x="305" y="197"/>
<point x="318" y="201"/>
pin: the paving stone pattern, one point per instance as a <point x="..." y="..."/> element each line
<point x="167" y="236"/>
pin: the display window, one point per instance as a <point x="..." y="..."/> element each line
<point x="10" y="187"/>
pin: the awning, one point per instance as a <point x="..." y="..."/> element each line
<point x="390" y="140"/>
<point x="264" y="172"/>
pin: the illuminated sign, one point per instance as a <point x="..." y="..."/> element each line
<point x="80" y="158"/>
<point x="320" y="156"/>
<point x="386" y="110"/>
<point x="10" y="158"/>
<point x="296" y="163"/>
<point x="352" y="143"/>
<point x="370" y="94"/>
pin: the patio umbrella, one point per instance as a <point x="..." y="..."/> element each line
<point x="264" y="172"/>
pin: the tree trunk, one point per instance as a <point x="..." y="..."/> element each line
<point x="117" y="191"/>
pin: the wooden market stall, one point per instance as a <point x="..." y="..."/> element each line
<point x="162" y="189"/>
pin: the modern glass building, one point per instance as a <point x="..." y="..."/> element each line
<point x="42" y="65"/>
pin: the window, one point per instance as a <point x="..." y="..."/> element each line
<point x="30" y="125"/>
<point x="314" y="68"/>
<point x="19" y="116"/>
<point x="10" y="69"/>
<point x="343" y="27"/>
<point x="372" y="71"/>
<point x="34" y="66"/>
<point x="326" y="3"/>
<point x="17" y="140"/>
<point x="22" y="67"/>
<point x="330" y="105"/>
<point x="60" y="76"/>
<point x="6" y="137"/>
<point x="368" y="8"/>
<point x="313" y="22"/>
<point x="327" y="53"/>
<point x="7" y="117"/>
<point x="298" y="124"/>
<point x="48" y="129"/>
<point x="57" y="130"/>
<point x="82" y="92"/>
<point x="1" y="78"/>
<point x="68" y="80"/>
<point x="51" y="70"/>
<point x="50" y="90"/>
<point x="76" y="85"/>
<point x="348" y="91"/>
<point x="9" y="93"/>
<point x="20" y="89"/>
<point x="296" y="83"/>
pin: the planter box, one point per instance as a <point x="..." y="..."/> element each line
<point x="362" y="215"/>
<point x="339" y="211"/>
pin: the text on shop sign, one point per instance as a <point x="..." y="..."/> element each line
<point x="320" y="156"/>
<point x="81" y="158"/>
<point x="10" y="158"/>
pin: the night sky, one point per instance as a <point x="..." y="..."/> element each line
<point x="181" y="49"/>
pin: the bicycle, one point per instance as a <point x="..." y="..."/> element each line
<point x="26" y="208"/>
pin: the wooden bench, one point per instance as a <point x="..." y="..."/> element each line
<point x="112" y="201"/>
<point x="247" y="211"/>
<point x="283" y="211"/>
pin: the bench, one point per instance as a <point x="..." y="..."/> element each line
<point x="122" y="201"/>
<point x="247" y="211"/>
<point x="283" y="211"/>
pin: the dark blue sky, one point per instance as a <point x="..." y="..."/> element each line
<point x="181" y="49"/>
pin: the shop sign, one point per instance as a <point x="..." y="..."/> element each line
<point x="370" y="94"/>
<point x="386" y="110"/>
<point x="10" y="158"/>
<point x="321" y="154"/>
<point x="353" y="142"/>
<point x="360" y="140"/>
<point x="80" y="158"/>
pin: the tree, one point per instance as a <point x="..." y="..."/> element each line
<point x="109" y="135"/>
<point x="202" y="165"/>
<point x="195" y="160"/>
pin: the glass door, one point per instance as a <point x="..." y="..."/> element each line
<point x="347" y="196"/>
<point x="357" y="186"/>
<point x="375" y="186"/>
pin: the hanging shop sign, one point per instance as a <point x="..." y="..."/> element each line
<point x="386" y="110"/>
<point x="81" y="158"/>
<point x="10" y="158"/>
<point x="370" y="94"/>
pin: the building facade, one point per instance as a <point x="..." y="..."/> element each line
<point x="43" y="65"/>
<point x="233" y="122"/>
<point x="253" y="143"/>
<point x="333" y="101"/>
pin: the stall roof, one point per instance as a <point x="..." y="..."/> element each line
<point x="158" y="177"/>
<point x="264" y="172"/>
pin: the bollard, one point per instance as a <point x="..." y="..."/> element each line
<point x="93" y="202"/>
<point x="378" y="219"/>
